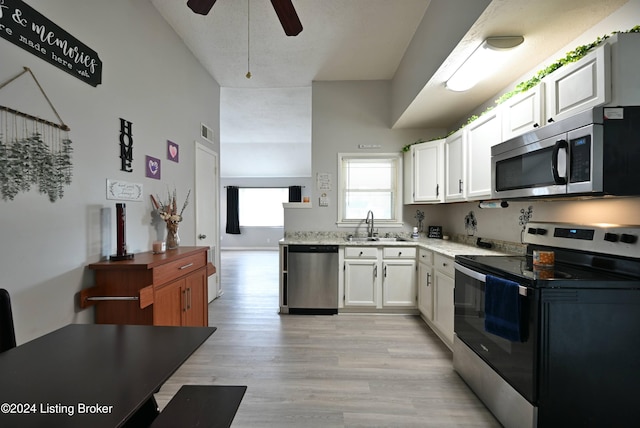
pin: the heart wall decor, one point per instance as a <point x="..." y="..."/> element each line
<point x="173" y="151"/>
<point x="152" y="167"/>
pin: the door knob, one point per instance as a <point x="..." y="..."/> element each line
<point x="201" y="236"/>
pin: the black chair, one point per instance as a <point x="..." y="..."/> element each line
<point x="7" y="332"/>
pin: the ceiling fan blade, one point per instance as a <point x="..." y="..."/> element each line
<point x="201" y="6"/>
<point x="288" y="17"/>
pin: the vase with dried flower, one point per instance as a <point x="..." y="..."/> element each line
<point x="169" y="213"/>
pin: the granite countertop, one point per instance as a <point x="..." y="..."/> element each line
<point x="445" y="247"/>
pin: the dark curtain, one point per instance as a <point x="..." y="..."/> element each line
<point x="233" y="217"/>
<point x="295" y="194"/>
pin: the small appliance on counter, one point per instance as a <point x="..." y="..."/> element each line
<point x="565" y="351"/>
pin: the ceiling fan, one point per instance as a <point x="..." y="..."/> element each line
<point x="284" y="9"/>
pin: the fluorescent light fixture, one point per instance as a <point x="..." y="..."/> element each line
<point x="487" y="57"/>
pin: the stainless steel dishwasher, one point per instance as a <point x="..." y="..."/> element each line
<point x="312" y="286"/>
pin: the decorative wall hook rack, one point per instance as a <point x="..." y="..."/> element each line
<point x="60" y="125"/>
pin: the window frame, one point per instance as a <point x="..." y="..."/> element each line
<point x="397" y="192"/>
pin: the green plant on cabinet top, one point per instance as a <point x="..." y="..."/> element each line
<point x="571" y="56"/>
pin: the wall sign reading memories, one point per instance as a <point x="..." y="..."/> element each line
<point x="24" y="26"/>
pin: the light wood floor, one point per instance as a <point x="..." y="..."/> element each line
<point x="347" y="370"/>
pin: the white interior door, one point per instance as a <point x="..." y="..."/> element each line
<point x="207" y="211"/>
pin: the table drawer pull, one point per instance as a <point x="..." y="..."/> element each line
<point x="186" y="266"/>
<point x="108" y="298"/>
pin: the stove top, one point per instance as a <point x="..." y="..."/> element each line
<point x="522" y="268"/>
<point x="586" y="256"/>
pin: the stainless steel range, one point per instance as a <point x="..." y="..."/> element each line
<point x="551" y="339"/>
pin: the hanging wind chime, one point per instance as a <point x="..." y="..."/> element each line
<point x="33" y="151"/>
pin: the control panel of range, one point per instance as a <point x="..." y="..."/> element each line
<point x="620" y="240"/>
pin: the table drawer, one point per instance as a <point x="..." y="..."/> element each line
<point x="177" y="268"/>
<point x="360" y="253"/>
<point x="425" y="256"/>
<point x="444" y="264"/>
<point x="399" y="253"/>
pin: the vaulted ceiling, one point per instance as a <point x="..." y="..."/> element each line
<point x="365" y="40"/>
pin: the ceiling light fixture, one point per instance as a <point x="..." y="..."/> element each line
<point x="248" y="75"/>
<point x="487" y="57"/>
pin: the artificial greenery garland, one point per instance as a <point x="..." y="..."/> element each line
<point x="572" y="56"/>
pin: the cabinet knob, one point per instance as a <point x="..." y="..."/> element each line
<point x="360" y="252"/>
<point x="201" y="236"/>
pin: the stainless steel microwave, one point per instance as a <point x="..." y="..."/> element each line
<point x="596" y="152"/>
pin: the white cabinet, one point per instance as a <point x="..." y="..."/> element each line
<point x="425" y="283"/>
<point x="360" y="279"/>
<point x="443" y="309"/>
<point x="378" y="278"/>
<point x="399" y="277"/>
<point x="480" y="135"/>
<point x="361" y="283"/>
<point x="455" y="166"/>
<point x="523" y="112"/>
<point x="579" y="86"/>
<point x="424" y="173"/>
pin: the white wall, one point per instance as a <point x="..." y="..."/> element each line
<point x="149" y="78"/>
<point x="346" y="114"/>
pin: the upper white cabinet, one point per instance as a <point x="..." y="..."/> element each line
<point x="480" y="135"/>
<point x="455" y="165"/>
<point x="579" y="86"/>
<point x="523" y="112"/>
<point x="606" y="76"/>
<point x="424" y="173"/>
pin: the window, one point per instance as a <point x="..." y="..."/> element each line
<point x="262" y="207"/>
<point x="370" y="182"/>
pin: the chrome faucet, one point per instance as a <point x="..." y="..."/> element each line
<point x="370" y="224"/>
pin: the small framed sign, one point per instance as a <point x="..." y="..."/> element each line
<point x="435" y="232"/>
<point x="152" y="167"/>
<point x="173" y="151"/>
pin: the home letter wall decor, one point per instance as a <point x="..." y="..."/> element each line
<point x="126" y="145"/>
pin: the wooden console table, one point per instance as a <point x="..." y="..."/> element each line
<point x="152" y="289"/>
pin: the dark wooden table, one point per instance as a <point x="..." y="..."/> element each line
<point x="91" y="375"/>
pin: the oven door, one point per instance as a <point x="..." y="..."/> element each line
<point x="515" y="362"/>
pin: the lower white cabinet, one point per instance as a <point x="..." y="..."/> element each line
<point x="360" y="283"/>
<point x="425" y="283"/>
<point x="399" y="277"/>
<point x="379" y="277"/>
<point x="443" y="286"/>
